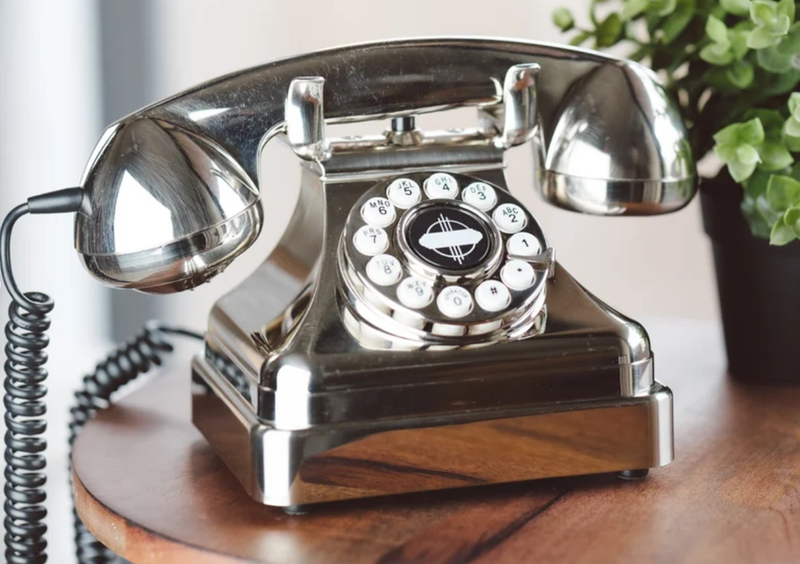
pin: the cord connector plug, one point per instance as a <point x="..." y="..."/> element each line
<point x="60" y="201"/>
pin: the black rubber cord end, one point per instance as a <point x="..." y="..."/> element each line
<point x="60" y="201"/>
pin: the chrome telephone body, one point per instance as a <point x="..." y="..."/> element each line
<point x="412" y="329"/>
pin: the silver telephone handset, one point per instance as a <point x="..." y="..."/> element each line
<point x="609" y="141"/>
<point x="412" y="300"/>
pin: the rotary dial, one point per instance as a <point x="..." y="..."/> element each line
<point x="443" y="256"/>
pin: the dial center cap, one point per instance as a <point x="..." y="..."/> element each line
<point x="449" y="237"/>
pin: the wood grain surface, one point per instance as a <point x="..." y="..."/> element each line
<point x="151" y="488"/>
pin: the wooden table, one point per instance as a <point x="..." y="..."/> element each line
<point x="150" y="487"/>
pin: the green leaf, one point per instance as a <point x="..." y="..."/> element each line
<point x="761" y="38"/>
<point x="778" y="85"/>
<point x="781" y="234"/>
<point x="756" y="185"/>
<point x="740" y="146"/>
<point x="783" y="192"/>
<point x="781" y="26"/>
<point x="740" y="74"/>
<point x="794" y="105"/>
<point x="609" y="31"/>
<point x="770" y="59"/>
<point x="728" y="135"/>
<point x="563" y="19"/>
<point x="738" y="39"/>
<point x="791" y="43"/>
<point x="743" y="24"/>
<point x="792" y="219"/>
<point x="725" y="153"/>
<point x="717" y="31"/>
<point x="771" y="121"/>
<point x="580" y="38"/>
<point x="747" y="154"/>
<point x="791" y="133"/>
<point x="791" y="128"/>
<point x="794" y="172"/>
<point x="663" y="7"/>
<point x="758" y="226"/>
<point x="716" y="54"/>
<point x="633" y="8"/>
<point x="740" y="171"/>
<point x="737" y="7"/>
<point x="786" y="8"/>
<point x="774" y="156"/>
<point x="676" y="22"/>
<point x="751" y="132"/>
<point x="763" y="12"/>
<point x="792" y="143"/>
<point x="765" y="210"/>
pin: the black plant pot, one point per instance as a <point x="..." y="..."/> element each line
<point x="759" y="291"/>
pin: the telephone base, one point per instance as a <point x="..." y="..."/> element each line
<point x="331" y="462"/>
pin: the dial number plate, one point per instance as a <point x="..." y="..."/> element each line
<point x="433" y="250"/>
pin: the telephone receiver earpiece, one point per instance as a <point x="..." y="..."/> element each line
<point x="173" y="189"/>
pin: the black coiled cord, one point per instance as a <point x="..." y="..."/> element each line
<point x="25" y="425"/>
<point x="24" y="407"/>
<point x="25" y="392"/>
<point x="131" y="359"/>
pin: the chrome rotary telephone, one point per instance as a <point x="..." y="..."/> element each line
<point x="412" y="329"/>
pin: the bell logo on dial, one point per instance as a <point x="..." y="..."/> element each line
<point x="449" y="237"/>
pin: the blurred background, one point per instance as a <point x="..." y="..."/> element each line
<point x="70" y="67"/>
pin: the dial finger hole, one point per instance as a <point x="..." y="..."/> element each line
<point x="404" y="193"/>
<point x="370" y="240"/>
<point x="510" y="218"/>
<point x="480" y="195"/>
<point x="384" y="270"/>
<point x="454" y="302"/>
<point x="492" y="295"/>
<point x="524" y="245"/>
<point x="415" y="293"/>
<point x="378" y="212"/>
<point x="441" y="186"/>
<point x="518" y="275"/>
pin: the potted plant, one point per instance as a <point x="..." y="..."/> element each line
<point x="733" y="67"/>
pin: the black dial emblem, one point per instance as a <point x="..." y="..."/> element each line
<point x="449" y="237"/>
